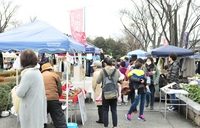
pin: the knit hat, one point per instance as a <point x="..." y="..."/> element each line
<point x="46" y="66"/>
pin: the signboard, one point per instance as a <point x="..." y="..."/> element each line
<point x="89" y="56"/>
<point x="81" y="101"/>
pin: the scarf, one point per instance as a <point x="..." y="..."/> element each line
<point x="30" y="67"/>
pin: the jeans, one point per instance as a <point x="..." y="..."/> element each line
<point x="173" y="96"/>
<point x="57" y="115"/>
<point x="151" y="95"/>
<point x="132" y="97"/>
<point x="112" y="103"/>
<point x="141" y="98"/>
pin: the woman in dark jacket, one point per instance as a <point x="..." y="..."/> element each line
<point x="137" y="76"/>
<point x="152" y="71"/>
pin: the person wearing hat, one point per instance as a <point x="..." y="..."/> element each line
<point x="53" y="90"/>
<point x="97" y="65"/>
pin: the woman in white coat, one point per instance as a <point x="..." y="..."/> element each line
<point x="33" y="104"/>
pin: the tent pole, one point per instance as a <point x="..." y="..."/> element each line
<point x="67" y="90"/>
<point x="17" y="80"/>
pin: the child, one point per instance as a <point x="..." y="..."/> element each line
<point x="137" y="76"/>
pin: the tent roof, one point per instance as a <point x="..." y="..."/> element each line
<point x="38" y="35"/>
<point x="164" y="51"/>
<point x="92" y="49"/>
<point x="138" y="52"/>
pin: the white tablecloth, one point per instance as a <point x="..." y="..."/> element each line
<point x="85" y="84"/>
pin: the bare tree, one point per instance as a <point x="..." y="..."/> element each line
<point x="7" y="12"/>
<point x="130" y="42"/>
<point x="175" y="20"/>
<point x="144" y="25"/>
<point x="190" y="21"/>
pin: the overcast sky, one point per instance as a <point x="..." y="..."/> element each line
<point x="101" y="15"/>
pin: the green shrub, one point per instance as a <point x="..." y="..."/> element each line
<point x="5" y="96"/>
<point x="194" y="92"/>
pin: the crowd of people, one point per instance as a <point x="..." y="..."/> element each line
<point x="143" y="76"/>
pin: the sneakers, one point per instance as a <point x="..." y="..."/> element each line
<point x="151" y="108"/>
<point x="128" y="117"/>
<point x="119" y="103"/>
<point x="125" y="103"/>
<point x="141" y="117"/>
<point x="171" y="108"/>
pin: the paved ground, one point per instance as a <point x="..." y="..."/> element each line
<point x="155" y="119"/>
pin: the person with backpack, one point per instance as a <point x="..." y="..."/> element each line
<point x="152" y="71"/>
<point x="109" y="72"/>
<point x="137" y="76"/>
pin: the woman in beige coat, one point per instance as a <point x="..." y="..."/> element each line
<point x="97" y="89"/>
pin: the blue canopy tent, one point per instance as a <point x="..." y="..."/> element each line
<point x="164" y="51"/>
<point x="139" y="53"/>
<point x="92" y="49"/>
<point x="38" y="36"/>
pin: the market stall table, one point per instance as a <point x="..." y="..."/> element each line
<point x="72" y="107"/>
<point x="85" y="84"/>
<point x="168" y="91"/>
<point x="75" y="96"/>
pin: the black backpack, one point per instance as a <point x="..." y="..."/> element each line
<point x="110" y="86"/>
<point x="162" y="80"/>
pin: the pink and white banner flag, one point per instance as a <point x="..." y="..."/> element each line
<point x="77" y="25"/>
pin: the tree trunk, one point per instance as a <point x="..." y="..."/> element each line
<point x="175" y="29"/>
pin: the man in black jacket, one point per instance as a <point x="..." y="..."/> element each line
<point x="173" y="76"/>
<point x="102" y="56"/>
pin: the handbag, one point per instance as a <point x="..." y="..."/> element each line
<point x="125" y="88"/>
<point x="148" y="80"/>
<point x="16" y="100"/>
